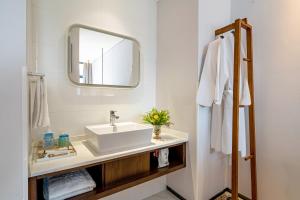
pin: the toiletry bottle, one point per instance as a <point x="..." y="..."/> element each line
<point x="63" y="140"/>
<point x="48" y="139"/>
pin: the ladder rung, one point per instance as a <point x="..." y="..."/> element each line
<point x="249" y="157"/>
<point x="242" y="106"/>
<point x="247" y="59"/>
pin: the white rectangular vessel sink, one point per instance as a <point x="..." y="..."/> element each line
<point x="123" y="136"/>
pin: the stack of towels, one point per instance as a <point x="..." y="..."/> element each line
<point x="68" y="185"/>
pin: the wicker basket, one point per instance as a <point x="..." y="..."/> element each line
<point x="226" y="195"/>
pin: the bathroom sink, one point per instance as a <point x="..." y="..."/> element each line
<point x="123" y="136"/>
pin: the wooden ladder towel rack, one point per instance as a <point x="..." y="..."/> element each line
<point x="237" y="28"/>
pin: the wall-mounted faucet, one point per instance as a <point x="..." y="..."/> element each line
<point x="113" y="117"/>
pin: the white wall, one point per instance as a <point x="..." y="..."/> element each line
<point x="72" y="107"/>
<point x="212" y="167"/>
<point x="118" y="64"/>
<point x="177" y="79"/>
<point x="13" y="164"/>
<point x="277" y="96"/>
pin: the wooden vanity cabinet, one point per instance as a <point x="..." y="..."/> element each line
<point x="118" y="174"/>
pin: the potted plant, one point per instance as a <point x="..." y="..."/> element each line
<point x="157" y="118"/>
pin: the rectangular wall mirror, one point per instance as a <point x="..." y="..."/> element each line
<point x="102" y="59"/>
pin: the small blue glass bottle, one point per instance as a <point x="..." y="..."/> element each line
<point x="48" y="139"/>
<point x="63" y="140"/>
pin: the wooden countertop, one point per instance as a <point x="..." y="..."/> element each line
<point x="86" y="155"/>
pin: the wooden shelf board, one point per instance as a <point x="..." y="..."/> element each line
<point x="100" y="192"/>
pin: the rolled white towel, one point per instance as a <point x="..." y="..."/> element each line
<point x="163" y="158"/>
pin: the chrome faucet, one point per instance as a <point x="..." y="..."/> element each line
<point x="113" y="117"/>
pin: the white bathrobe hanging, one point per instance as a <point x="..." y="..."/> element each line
<point x="225" y="91"/>
<point x="207" y="90"/>
<point x="207" y="86"/>
<point x="215" y="90"/>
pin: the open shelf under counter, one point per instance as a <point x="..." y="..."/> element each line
<point x="112" y="172"/>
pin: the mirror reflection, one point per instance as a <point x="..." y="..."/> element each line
<point x="101" y="58"/>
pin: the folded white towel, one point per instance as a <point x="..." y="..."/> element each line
<point x="73" y="194"/>
<point x="68" y="185"/>
<point x="38" y="103"/>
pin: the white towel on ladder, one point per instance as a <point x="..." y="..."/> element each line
<point x="38" y="103"/>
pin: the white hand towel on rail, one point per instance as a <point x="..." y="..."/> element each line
<point x="38" y="103"/>
<point x="44" y="120"/>
<point x="88" y="72"/>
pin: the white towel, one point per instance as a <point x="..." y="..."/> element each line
<point x="163" y="158"/>
<point x="68" y="185"/>
<point x="44" y="120"/>
<point x="88" y="72"/>
<point x="38" y="103"/>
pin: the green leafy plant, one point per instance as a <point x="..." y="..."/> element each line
<point x="157" y="117"/>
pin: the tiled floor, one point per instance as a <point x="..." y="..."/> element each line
<point x="164" y="195"/>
